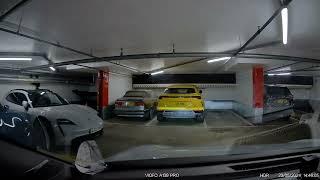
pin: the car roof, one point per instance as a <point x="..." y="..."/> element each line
<point x="30" y="90"/>
<point x="183" y="86"/>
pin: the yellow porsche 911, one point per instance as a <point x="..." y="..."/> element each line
<point x="181" y="101"/>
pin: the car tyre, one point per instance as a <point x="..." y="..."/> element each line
<point x="160" y="118"/>
<point x="200" y="118"/>
<point x="149" y="115"/>
<point x="41" y="136"/>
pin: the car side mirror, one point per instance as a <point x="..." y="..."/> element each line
<point x="89" y="159"/>
<point x="26" y="105"/>
<point x="200" y="91"/>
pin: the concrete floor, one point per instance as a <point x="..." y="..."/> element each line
<point x="219" y="128"/>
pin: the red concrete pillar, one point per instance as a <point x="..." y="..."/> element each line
<point x="258" y="92"/>
<point x="258" y="86"/>
<point x="103" y="91"/>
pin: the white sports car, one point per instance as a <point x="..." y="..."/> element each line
<point x="61" y="123"/>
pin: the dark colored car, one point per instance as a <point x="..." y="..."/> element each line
<point x="19" y="127"/>
<point x="278" y="101"/>
<point x="136" y="104"/>
<point x="15" y="126"/>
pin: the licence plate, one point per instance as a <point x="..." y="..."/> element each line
<point x="129" y="103"/>
<point x="94" y="130"/>
<point x="180" y="104"/>
<point x="282" y="101"/>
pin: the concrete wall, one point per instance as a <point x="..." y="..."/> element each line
<point x="300" y="93"/>
<point x="243" y="94"/>
<point x="118" y="86"/>
<point x="315" y="90"/>
<point x="64" y="90"/>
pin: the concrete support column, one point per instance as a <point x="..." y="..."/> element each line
<point x="258" y="88"/>
<point x="103" y="93"/>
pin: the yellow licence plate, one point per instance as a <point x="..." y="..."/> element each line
<point x="180" y="104"/>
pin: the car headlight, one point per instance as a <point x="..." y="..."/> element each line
<point x="65" y="122"/>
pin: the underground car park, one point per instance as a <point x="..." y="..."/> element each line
<point x="113" y="85"/>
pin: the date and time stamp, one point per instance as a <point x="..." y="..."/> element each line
<point x="291" y="175"/>
<point x="262" y="175"/>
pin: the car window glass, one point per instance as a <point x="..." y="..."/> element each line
<point x="20" y="98"/>
<point x="135" y="94"/>
<point x="180" y="91"/>
<point x="12" y="98"/>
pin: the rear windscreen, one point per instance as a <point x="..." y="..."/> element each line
<point x="278" y="91"/>
<point x="179" y="91"/>
<point x="136" y="94"/>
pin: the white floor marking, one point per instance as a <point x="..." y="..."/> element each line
<point x="242" y="119"/>
<point x="205" y="123"/>
<point x="151" y="121"/>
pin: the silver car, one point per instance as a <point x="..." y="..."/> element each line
<point x="62" y="123"/>
<point x="136" y="103"/>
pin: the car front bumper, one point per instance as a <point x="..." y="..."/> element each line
<point x="65" y="135"/>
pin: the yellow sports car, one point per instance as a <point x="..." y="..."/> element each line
<point x="181" y="101"/>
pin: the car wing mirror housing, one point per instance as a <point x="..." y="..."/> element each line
<point x="89" y="159"/>
<point x="26" y="105"/>
<point x="200" y="91"/>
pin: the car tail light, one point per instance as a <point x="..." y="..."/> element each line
<point x="140" y="103"/>
<point x="119" y="103"/>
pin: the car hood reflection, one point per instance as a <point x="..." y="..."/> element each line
<point x="160" y="151"/>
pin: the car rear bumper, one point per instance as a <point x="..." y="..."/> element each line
<point x="131" y="113"/>
<point x="180" y="114"/>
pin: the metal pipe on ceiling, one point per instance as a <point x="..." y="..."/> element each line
<point x="231" y="51"/>
<point x="14" y="8"/>
<point x="179" y="55"/>
<point x="63" y="47"/>
<point x="260" y="29"/>
<point x="283" y="66"/>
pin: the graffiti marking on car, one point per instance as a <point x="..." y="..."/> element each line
<point x="12" y="121"/>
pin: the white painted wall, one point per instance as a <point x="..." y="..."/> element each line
<point x="315" y="90"/>
<point x="118" y="86"/>
<point x="300" y="93"/>
<point x="244" y="91"/>
<point x="64" y="90"/>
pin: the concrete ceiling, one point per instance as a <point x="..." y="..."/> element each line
<point x="152" y="26"/>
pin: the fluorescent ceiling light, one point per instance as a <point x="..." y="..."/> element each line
<point x="52" y="68"/>
<point x="219" y="59"/>
<point x="284" y="16"/>
<point x="157" y="72"/>
<point x="15" y="59"/>
<point x="280" y="74"/>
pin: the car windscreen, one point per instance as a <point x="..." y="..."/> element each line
<point x="136" y="94"/>
<point x="45" y="99"/>
<point x="278" y="91"/>
<point x="179" y="91"/>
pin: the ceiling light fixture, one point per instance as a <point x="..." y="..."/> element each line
<point x="280" y="74"/>
<point x="219" y="59"/>
<point x="157" y="72"/>
<point x="15" y="59"/>
<point x="52" y="68"/>
<point x="284" y="17"/>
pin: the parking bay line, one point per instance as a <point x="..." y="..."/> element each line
<point x="205" y="123"/>
<point x="150" y="122"/>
